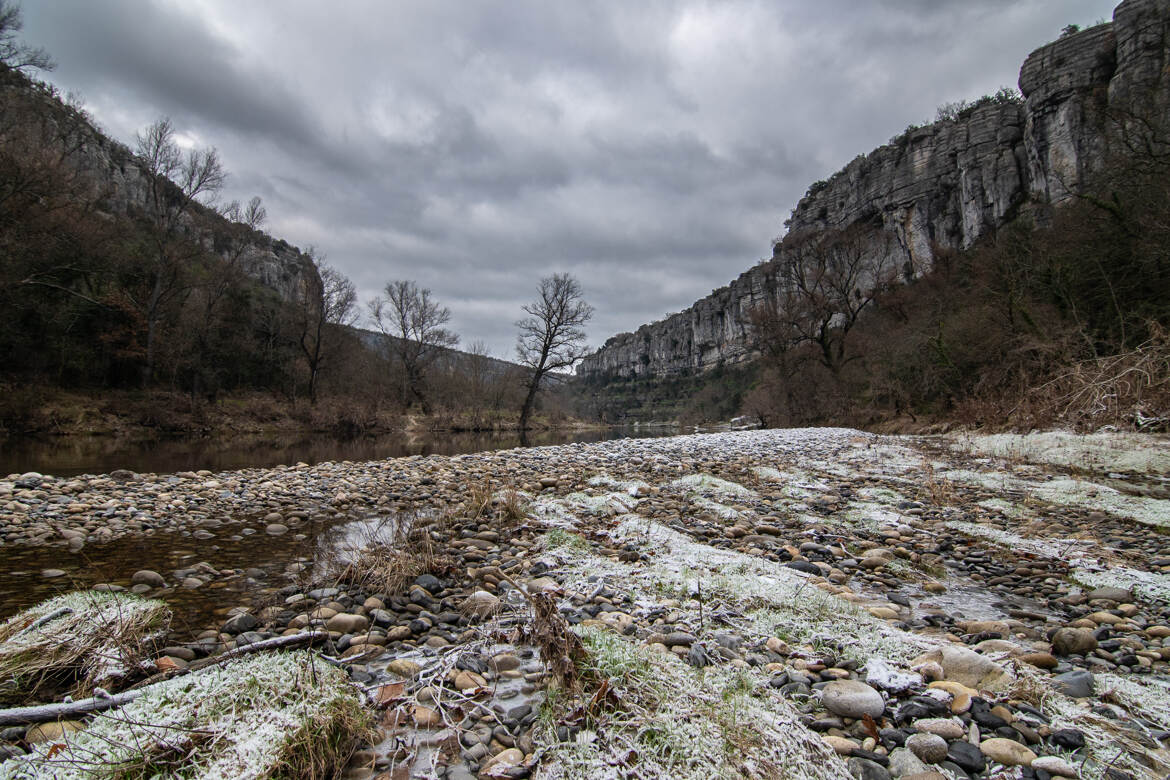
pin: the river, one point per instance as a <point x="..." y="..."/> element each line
<point x="66" y="456"/>
<point x="21" y="579"/>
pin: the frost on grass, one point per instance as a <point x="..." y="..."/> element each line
<point x="869" y="516"/>
<point x="1119" y="744"/>
<point x="1047" y="548"/>
<point x="76" y="640"/>
<point x="1150" y="586"/>
<point x="634" y="487"/>
<point x="707" y="485"/>
<point x="879" y="453"/>
<point x="714" y="507"/>
<point x="778" y="600"/>
<point x="671" y="720"/>
<point x="1073" y="492"/>
<point x="279" y="714"/>
<point x="770" y="474"/>
<point x="563" y="512"/>
<point x="774" y="600"/>
<point x="1085" y="566"/>
<point x="1102" y="451"/>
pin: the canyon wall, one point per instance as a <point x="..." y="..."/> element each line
<point x="942" y="186"/>
<point x="122" y="182"/>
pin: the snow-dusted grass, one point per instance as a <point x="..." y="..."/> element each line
<point x="79" y="639"/>
<point x="1146" y="585"/>
<point x="675" y="721"/>
<point x="714" y="507"/>
<point x="635" y="487"/>
<point x="269" y="715"/>
<point x="776" y="600"/>
<point x="562" y="512"/>
<point x="1111" y="743"/>
<point x="869" y="516"/>
<point x="1073" y="492"/>
<point x="1078" y="553"/>
<point x="707" y="485"/>
<point x="1047" y="548"/>
<point x="1102" y="451"/>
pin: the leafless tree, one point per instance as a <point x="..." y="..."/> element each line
<point x="552" y="336"/>
<point x="825" y="284"/>
<point x="219" y="278"/>
<point x="14" y="53"/>
<point x="413" y="325"/>
<point x="237" y="236"/>
<point x="324" y="308"/>
<point x="176" y="182"/>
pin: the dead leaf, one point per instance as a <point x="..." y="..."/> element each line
<point x="870" y="726"/>
<point x="389" y="693"/>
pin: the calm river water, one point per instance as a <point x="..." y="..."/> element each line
<point x="67" y="456"/>
<point x="246" y="547"/>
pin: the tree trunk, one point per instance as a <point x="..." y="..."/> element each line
<point x="148" y="369"/>
<point x="529" y="401"/>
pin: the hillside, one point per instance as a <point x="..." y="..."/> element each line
<point x="128" y="302"/>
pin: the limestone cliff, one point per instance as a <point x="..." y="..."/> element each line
<point x="122" y="181"/>
<point x="941" y="186"/>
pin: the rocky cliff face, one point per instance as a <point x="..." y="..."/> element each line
<point x="942" y="186"/>
<point x="123" y="183"/>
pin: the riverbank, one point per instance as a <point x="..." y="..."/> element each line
<point x="148" y="414"/>
<point x="822" y="600"/>
<point x="65" y="434"/>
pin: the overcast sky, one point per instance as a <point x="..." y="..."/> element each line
<point x="653" y="149"/>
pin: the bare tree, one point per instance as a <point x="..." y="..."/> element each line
<point x="324" y="308"/>
<point x="14" y="53"/>
<point x="175" y="183"/>
<point x="551" y="336"/>
<point x="218" y="279"/>
<point x="413" y="325"/>
<point x="826" y="282"/>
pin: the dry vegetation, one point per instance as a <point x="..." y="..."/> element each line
<point x="75" y="642"/>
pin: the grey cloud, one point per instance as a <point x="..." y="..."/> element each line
<point x="653" y="148"/>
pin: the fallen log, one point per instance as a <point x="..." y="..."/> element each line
<point x="41" y="713"/>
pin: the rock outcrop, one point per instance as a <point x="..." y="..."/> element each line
<point x="122" y="181"/>
<point x="942" y="186"/>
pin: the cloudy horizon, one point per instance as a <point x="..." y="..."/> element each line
<point x="652" y="150"/>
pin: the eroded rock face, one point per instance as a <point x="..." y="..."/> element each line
<point x="940" y="186"/>
<point x="122" y="183"/>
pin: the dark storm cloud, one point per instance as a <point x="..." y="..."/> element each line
<point x="653" y="148"/>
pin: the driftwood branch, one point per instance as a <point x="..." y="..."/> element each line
<point x="49" y="618"/>
<point x="46" y="712"/>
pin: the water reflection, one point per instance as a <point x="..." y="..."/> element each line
<point x="68" y="456"/>
<point x="251" y="567"/>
